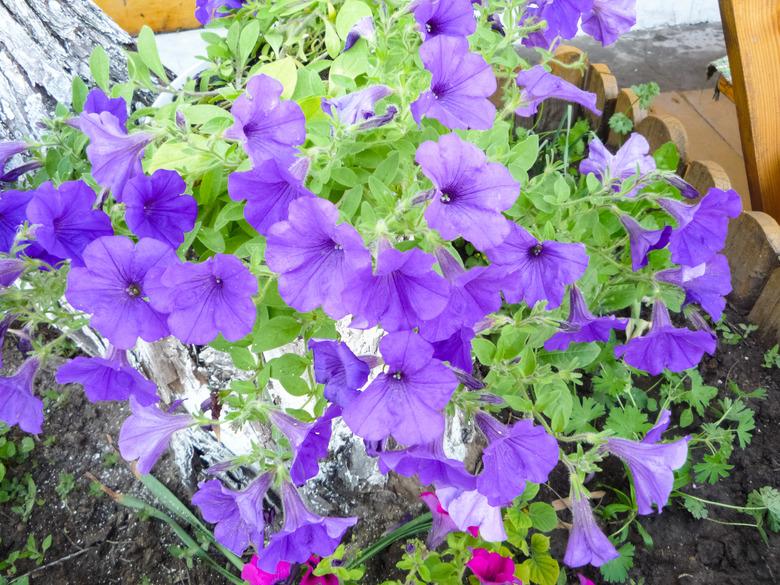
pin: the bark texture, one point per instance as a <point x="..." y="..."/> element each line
<point x="43" y="45"/>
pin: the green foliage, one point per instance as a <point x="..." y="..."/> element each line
<point x="646" y="93"/>
<point x="772" y="358"/>
<point x="616" y="570"/>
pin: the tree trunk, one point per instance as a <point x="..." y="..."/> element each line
<point x="43" y="45"/>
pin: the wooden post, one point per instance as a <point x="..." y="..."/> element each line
<point x="752" y="29"/>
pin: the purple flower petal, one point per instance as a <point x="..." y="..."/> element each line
<point x="587" y="543"/>
<point x="98" y="102"/>
<point x="609" y="19"/>
<point x="445" y="17"/>
<point x="471" y="509"/>
<point x="461" y="84"/>
<point x="562" y="18"/>
<point x="358" y="107"/>
<point x="442" y="524"/>
<point x="582" y="326"/>
<point x="430" y="464"/>
<point x="208" y="10"/>
<point x="18" y="405"/>
<point x="13" y="213"/>
<point x="537" y="85"/>
<point x="706" y="284"/>
<point x="632" y="159"/>
<point x="10" y="270"/>
<point x="362" y="29"/>
<point x="309" y="442"/>
<point x="643" y="241"/>
<point x="9" y="149"/>
<point x="340" y="370"/>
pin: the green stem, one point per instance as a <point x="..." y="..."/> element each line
<point x="721" y="504"/>
<point x="420" y="524"/>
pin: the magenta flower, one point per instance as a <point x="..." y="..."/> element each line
<point x="156" y="207"/>
<point x="515" y="454"/>
<point x="587" y="543"/>
<point x="108" y="378"/>
<point x="206" y="299"/>
<point x="358" y="107"/>
<point x="644" y="241"/>
<point x="303" y="534"/>
<point x="408" y="400"/>
<point x="13" y="213"/>
<point x="461" y="84"/>
<point x="65" y="220"/>
<point x="609" y="19"/>
<point x="491" y="568"/>
<point x="314" y="256"/>
<point x="10" y="270"/>
<point x="538" y="270"/>
<point x="98" y="102"/>
<point x="113" y="287"/>
<point x="309" y="578"/>
<point x="256" y="576"/>
<point x="442" y="524"/>
<point x="584" y="580"/>
<point x="445" y="17"/>
<point x="470" y="192"/>
<point x="470" y="510"/>
<point x="340" y="370"/>
<point x="403" y="292"/>
<point x="701" y="228"/>
<point x="633" y="158"/>
<point x="18" y="404"/>
<point x="238" y="516"/>
<point x="362" y="29"/>
<point x="268" y="188"/>
<point x="114" y="154"/>
<point x="268" y="126"/>
<point x="666" y="346"/>
<point x="706" y="284"/>
<point x="145" y="434"/>
<point x="537" y="85"/>
<point x="208" y="10"/>
<point x="430" y="464"/>
<point x="652" y="464"/>
<point x="309" y="441"/>
<point x="562" y="17"/>
<point x="582" y="326"/>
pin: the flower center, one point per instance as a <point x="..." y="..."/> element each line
<point x="398" y="375"/>
<point x="133" y="290"/>
<point x="338" y="247"/>
<point x="537" y="250"/>
<point x="218" y="281"/>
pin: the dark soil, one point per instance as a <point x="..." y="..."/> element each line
<point x="94" y="540"/>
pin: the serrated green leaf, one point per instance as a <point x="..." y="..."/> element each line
<point x="616" y="570"/>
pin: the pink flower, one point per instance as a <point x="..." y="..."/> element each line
<point x="309" y="578"/>
<point x="491" y="568"/>
<point x="254" y="575"/>
<point x="584" y="580"/>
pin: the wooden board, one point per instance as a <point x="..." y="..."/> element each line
<point x="159" y="15"/>
<point x="766" y="311"/>
<point x="601" y="82"/>
<point x="753" y="250"/>
<point x="752" y="30"/>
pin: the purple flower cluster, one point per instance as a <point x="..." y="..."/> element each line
<point x="604" y="20"/>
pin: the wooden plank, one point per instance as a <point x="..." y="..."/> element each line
<point x="705" y="175"/>
<point x="601" y="82"/>
<point x="627" y="103"/>
<point x="554" y="110"/>
<point x="766" y="311"/>
<point x="753" y="250"/>
<point x="160" y="15"/>
<point x="752" y="35"/>
<point x="662" y="128"/>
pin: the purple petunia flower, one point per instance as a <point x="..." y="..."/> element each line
<point x="314" y="256"/>
<point x="208" y="10"/>
<point x="65" y="220"/>
<point x="562" y="18"/>
<point x="631" y="159"/>
<point x="701" y="228"/>
<point x="407" y="401"/>
<point x="430" y="464"/>
<point x="456" y="349"/>
<point x="461" y="84"/>
<point x="98" y="102"/>
<point x="527" y="450"/>
<point x="470" y="192"/>
<point x="238" y="516"/>
<point x="309" y="441"/>
<point x="303" y="534"/>
<point x="666" y="346"/>
<point x="684" y="187"/>
<point x="112" y="286"/>
<point x="470" y="509"/>
<point x="609" y="19"/>
<point x="582" y="326"/>
<point x="643" y="241"/>
<point x="442" y="523"/>
<point x="403" y="292"/>
<point x="362" y="29"/>
<point x="652" y="464"/>
<point x="9" y="149"/>
<point x="108" y="378"/>
<point x="268" y="126"/>
<point x="114" y="154"/>
<point x="268" y="188"/>
<point x="10" y="270"/>
<point x="538" y="270"/>
<point x="206" y="299"/>
<point x="490" y="568"/>
<point x="358" y="107"/>
<point x="157" y="207"/>
<point x="445" y="17"/>
<point x="18" y="404"/>
<point x="706" y="284"/>
<point x="13" y="213"/>
<point x="537" y="85"/>
<point x="340" y="370"/>
<point x="145" y="434"/>
<point x="587" y="543"/>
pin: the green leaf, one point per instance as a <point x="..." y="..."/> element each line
<point x="243" y="358"/>
<point x="577" y="356"/>
<point x="233" y="211"/>
<point x="250" y="34"/>
<point x="616" y="570"/>
<point x="541" y="568"/>
<point x="484" y="349"/>
<point x="628" y="422"/>
<point x="212" y="239"/>
<point x="275" y="333"/>
<point x="543" y="516"/>
<point x="79" y="91"/>
<point x="621" y="123"/>
<point x="332" y="40"/>
<point x="290" y="364"/>
<point x="285" y="71"/>
<point x="147" y="49"/>
<point x="350" y="13"/>
<point x="388" y="168"/>
<point x="202" y="113"/>
<point x="99" y="67"/>
<point x="667" y="157"/>
<point x="686" y="417"/>
<point x="554" y="399"/>
<point x="697" y="509"/>
<point x="295" y="385"/>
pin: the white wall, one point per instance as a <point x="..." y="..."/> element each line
<point x="653" y="13"/>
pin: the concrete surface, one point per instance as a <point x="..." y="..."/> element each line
<point x="655" y="13"/>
